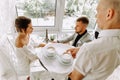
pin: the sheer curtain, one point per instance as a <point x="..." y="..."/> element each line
<point x="7" y="16"/>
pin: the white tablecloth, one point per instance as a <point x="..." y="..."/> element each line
<point x="56" y="70"/>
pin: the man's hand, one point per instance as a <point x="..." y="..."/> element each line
<point x="75" y="75"/>
<point x="73" y="51"/>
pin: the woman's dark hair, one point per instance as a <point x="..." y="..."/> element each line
<point x="21" y="22"/>
<point x="85" y="20"/>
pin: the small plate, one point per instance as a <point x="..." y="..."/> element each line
<point x="48" y="57"/>
<point x="63" y="63"/>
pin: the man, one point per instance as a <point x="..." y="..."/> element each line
<point x="97" y="59"/>
<point x="81" y="35"/>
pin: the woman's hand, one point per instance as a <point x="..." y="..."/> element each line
<point x="42" y="45"/>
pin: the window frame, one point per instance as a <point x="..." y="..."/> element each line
<point x="59" y="7"/>
<point x="58" y="23"/>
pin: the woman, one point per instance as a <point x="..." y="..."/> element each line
<point x="24" y="51"/>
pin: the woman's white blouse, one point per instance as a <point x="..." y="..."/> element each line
<point x="24" y="56"/>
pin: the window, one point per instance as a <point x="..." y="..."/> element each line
<point x="42" y="12"/>
<point x="57" y="15"/>
<point x="76" y="8"/>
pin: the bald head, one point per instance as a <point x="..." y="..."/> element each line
<point x="113" y="4"/>
<point x="108" y="14"/>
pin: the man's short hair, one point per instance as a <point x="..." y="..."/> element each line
<point x="85" y="20"/>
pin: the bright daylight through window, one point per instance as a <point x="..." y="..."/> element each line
<point x="51" y="14"/>
<point x="42" y="12"/>
<point x="76" y="8"/>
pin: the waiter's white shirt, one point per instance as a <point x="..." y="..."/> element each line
<point x="97" y="60"/>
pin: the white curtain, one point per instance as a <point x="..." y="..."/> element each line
<point x="7" y="16"/>
<point x="7" y="68"/>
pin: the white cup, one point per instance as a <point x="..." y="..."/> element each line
<point x="51" y="51"/>
<point x="66" y="58"/>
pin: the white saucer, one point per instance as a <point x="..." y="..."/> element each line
<point x="45" y="55"/>
<point x="65" y="63"/>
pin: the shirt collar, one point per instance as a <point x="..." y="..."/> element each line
<point x="110" y="32"/>
<point x="82" y="33"/>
